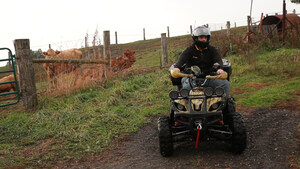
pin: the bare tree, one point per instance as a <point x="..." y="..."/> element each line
<point x="96" y="44"/>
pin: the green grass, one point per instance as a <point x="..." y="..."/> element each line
<point x="85" y="122"/>
<point x="278" y="71"/>
<point x="269" y="96"/>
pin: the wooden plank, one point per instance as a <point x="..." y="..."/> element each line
<point x="82" y="61"/>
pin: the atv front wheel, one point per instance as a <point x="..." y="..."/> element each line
<point x="239" y="135"/>
<point x="165" y="136"/>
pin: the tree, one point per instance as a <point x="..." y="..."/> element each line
<point x="37" y="54"/>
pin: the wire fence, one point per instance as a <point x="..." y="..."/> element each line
<point x="122" y="38"/>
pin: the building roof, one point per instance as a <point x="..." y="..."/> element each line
<point x="275" y="19"/>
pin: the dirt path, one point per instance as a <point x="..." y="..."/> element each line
<point x="273" y="142"/>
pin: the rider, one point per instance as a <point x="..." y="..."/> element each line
<point x="201" y="54"/>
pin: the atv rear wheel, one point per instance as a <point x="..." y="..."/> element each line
<point x="239" y="135"/>
<point x="165" y="136"/>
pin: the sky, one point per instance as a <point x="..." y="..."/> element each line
<point x="64" y="24"/>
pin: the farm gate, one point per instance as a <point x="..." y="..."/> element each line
<point x="11" y="81"/>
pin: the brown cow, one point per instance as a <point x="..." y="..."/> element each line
<point x="54" y="69"/>
<point x="7" y="87"/>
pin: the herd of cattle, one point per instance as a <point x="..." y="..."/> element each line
<point x="55" y="70"/>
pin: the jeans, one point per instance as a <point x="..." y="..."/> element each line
<point x="214" y="83"/>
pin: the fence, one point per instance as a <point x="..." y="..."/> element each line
<point x="95" y="63"/>
<point x="26" y="70"/>
<point x="147" y="33"/>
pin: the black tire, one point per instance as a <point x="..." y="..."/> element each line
<point x="239" y="135"/>
<point x="165" y="136"/>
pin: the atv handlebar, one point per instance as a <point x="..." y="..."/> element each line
<point x="222" y="76"/>
<point x="176" y="74"/>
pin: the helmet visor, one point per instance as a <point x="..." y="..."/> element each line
<point x="201" y="30"/>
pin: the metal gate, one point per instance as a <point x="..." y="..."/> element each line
<point x="9" y="69"/>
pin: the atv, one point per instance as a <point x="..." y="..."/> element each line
<point x="201" y="114"/>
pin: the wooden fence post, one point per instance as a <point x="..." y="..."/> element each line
<point x="248" y="23"/>
<point x="116" y="35"/>
<point x="144" y="34"/>
<point x="283" y="23"/>
<point x="164" y="50"/>
<point x="229" y="35"/>
<point x="168" y="31"/>
<point x="248" y="28"/>
<point x="9" y="62"/>
<point x="106" y="50"/>
<point x="191" y="28"/>
<point x="26" y="73"/>
<point x="228" y="29"/>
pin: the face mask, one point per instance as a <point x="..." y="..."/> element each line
<point x="201" y="44"/>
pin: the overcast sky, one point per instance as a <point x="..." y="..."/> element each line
<point x="65" y="23"/>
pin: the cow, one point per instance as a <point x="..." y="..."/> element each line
<point x="55" y="69"/>
<point x="7" y="87"/>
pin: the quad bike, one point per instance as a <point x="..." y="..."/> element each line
<point x="202" y="113"/>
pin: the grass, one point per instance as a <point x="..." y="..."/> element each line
<point x="87" y="121"/>
<point x="274" y="77"/>
<point x="271" y="95"/>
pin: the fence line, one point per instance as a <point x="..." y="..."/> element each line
<point x="81" y="43"/>
<point x="144" y="34"/>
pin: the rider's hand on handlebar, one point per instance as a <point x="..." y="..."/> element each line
<point x="220" y="71"/>
<point x="176" y="70"/>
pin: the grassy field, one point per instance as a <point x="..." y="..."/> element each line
<point x="87" y="121"/>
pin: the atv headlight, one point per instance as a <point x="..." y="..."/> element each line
<point x="180" y="107"/>
<point x="219" y="91"/>
<point x="184" y="92"/>
<point x="214" y="106"/>
<point x="208" y="91"/>
<point x="173" y="94"/>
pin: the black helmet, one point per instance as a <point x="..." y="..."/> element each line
<point x="201" y="30"/>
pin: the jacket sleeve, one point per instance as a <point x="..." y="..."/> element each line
<point x="216" y="56"/>
<point x="180" y="64"/>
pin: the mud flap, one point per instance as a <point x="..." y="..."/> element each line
<point x="230" y="104"/>
<point x="229" y="110"/>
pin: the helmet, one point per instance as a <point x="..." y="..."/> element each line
<point x="201" y="30"/>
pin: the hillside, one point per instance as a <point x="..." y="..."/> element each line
<point x="99" y="117"/>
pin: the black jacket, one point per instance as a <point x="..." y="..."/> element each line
<point x="204" y="59"/>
